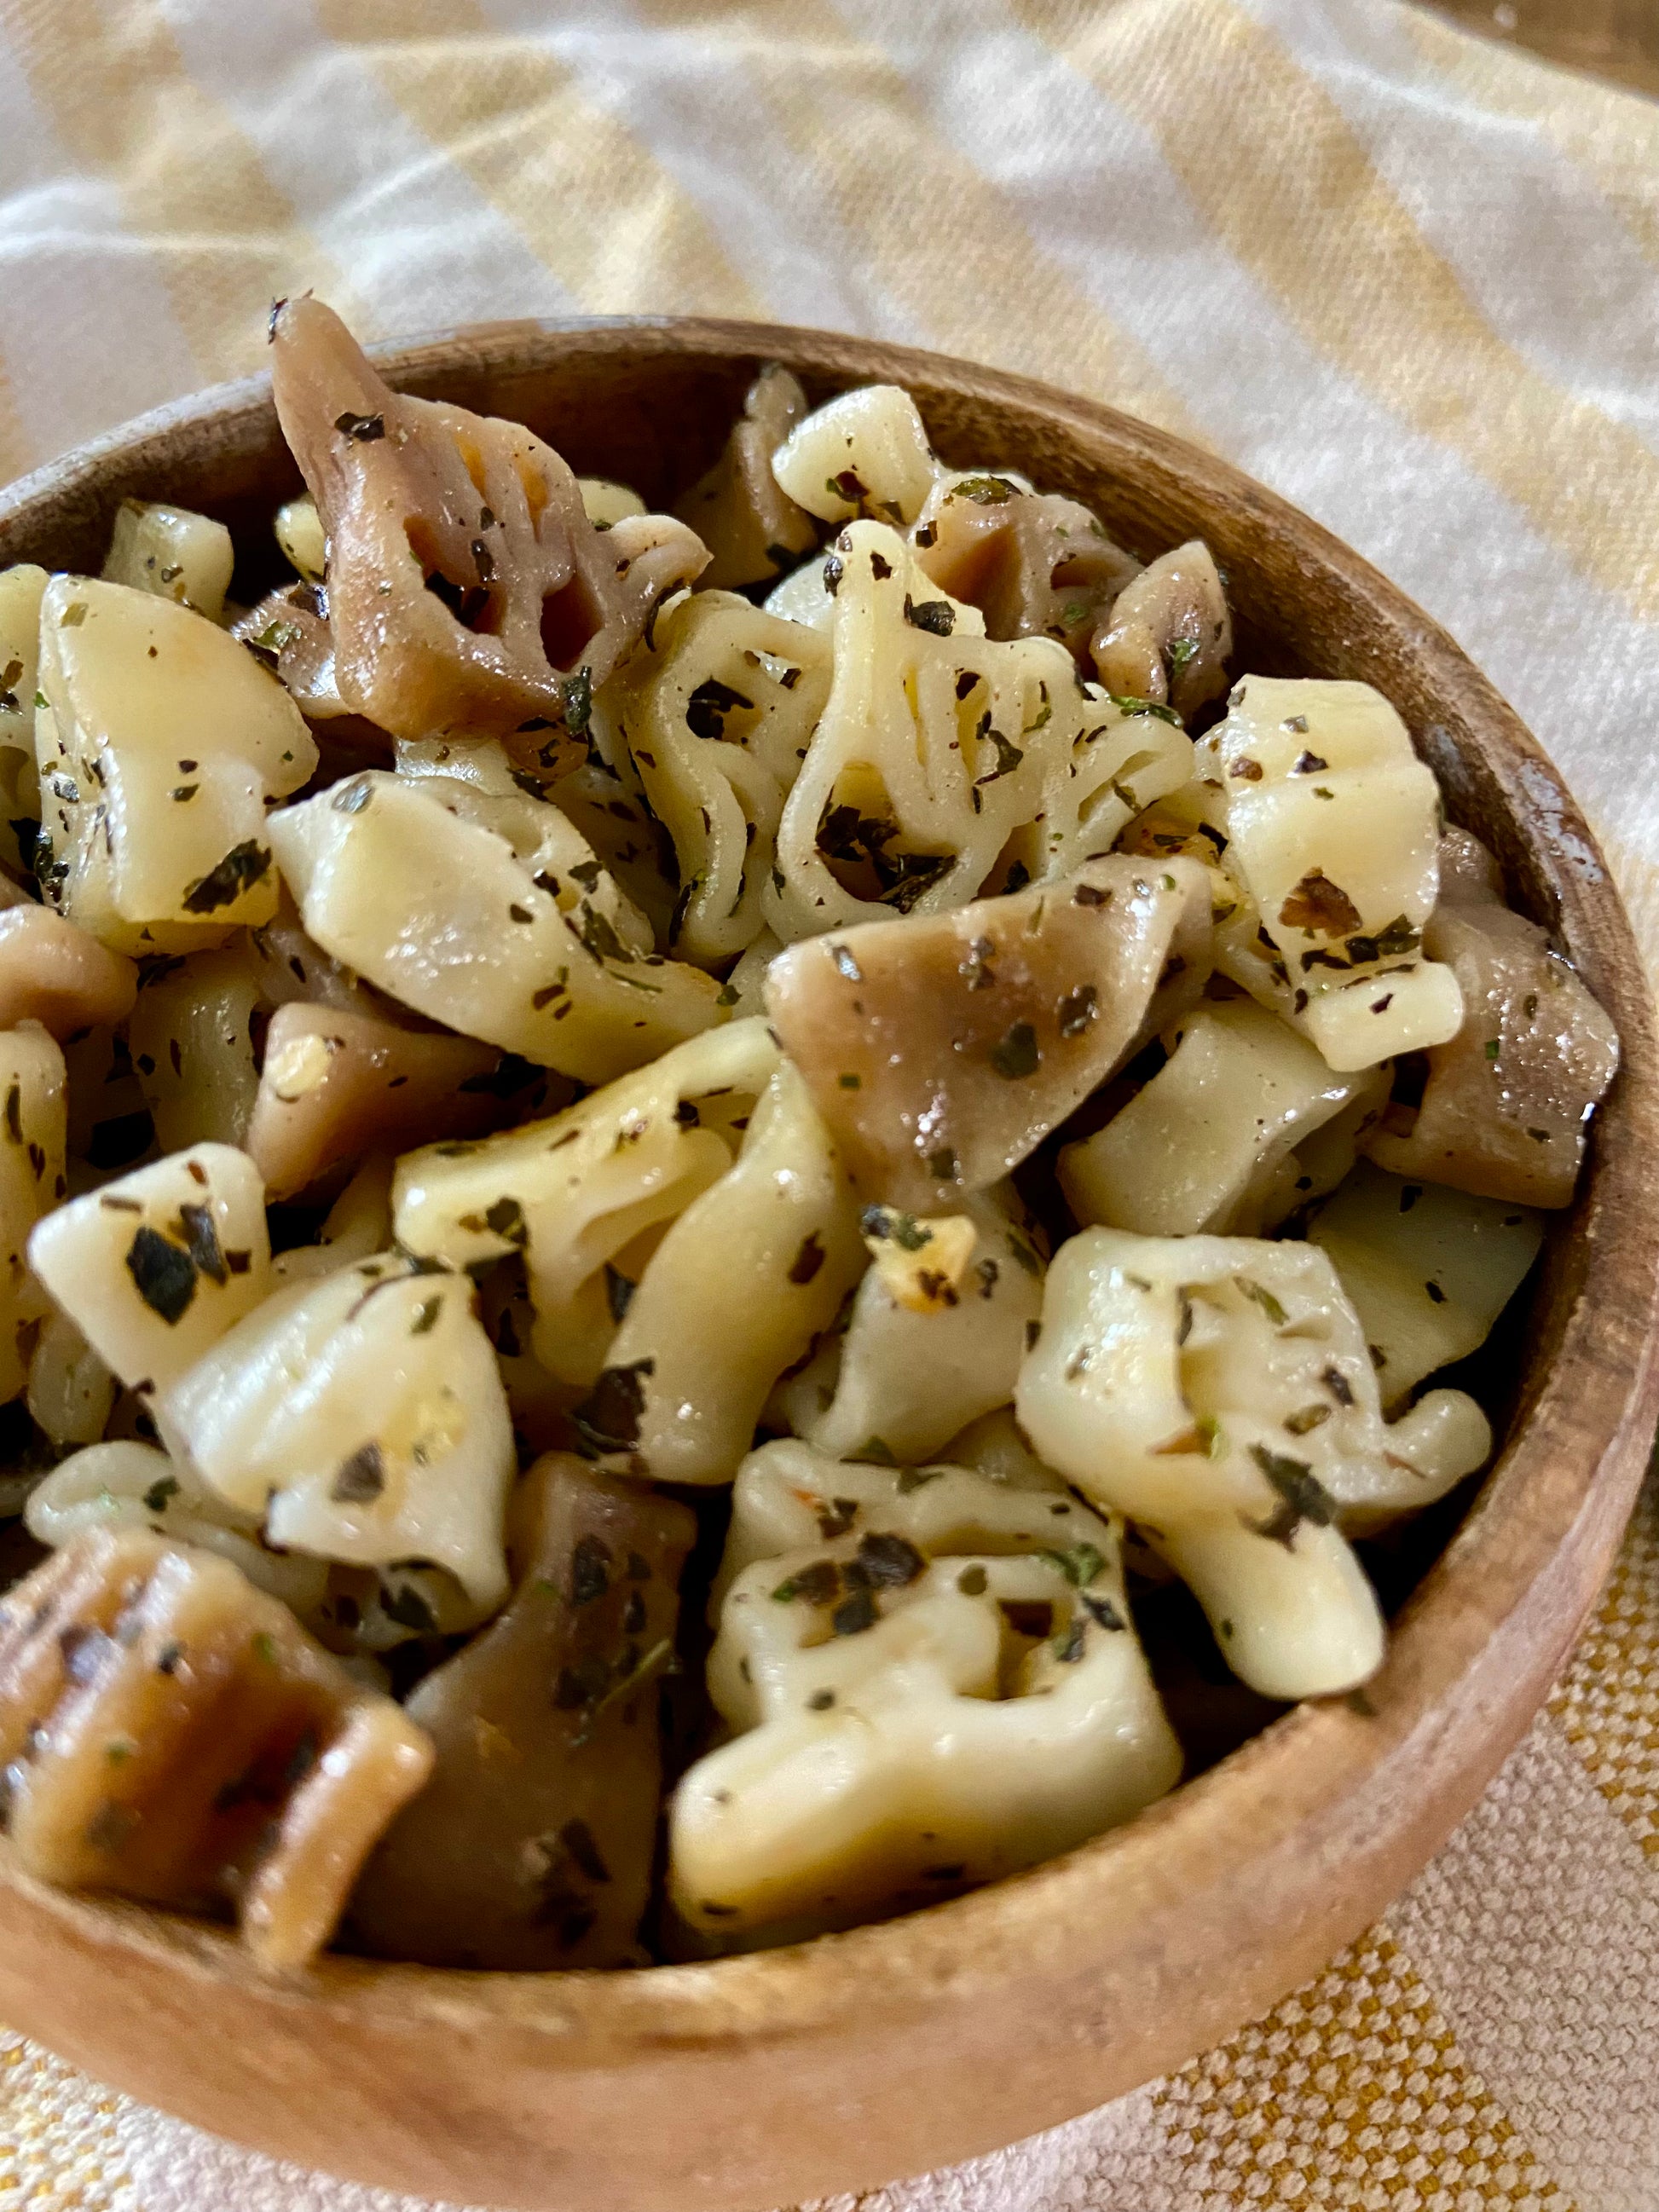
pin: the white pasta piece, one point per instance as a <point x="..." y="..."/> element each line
<point x="160" y="745"/>
<point x="155" y="1267"/>
<point x="364" y="1416"/>
<point x="1204" y="1144"/>
<point x="1217" y="1390"/>
<point x="909" y="1380"/>
<point x="71" y="1393"/>
<point x="943" y="758"/>
<point x="443" y="914"/>
<point x="33" y="1131"/>
<point x="299" y="529"/>
<point x="947" y="1689"/>
<point x="475" y="779"/>
<point x="124" y="1484"/>
<point x="605" y="503"/>
<point x="558" y="859"/>
<point x="574" y="1192"/>
<point x="20" y="591"/>
<point x="863" y="453"/>
<point x="1333" y="828"/>
<point x="717" y="717"/>
<point x="741" y="1284"/>
<point x="172" y="552"/>
<point x="191" y="1040"/>
<point x="803" y="596"/>
<point x="1428" y="1269"/>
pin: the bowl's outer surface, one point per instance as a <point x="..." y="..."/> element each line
<point x="758" y="2080"/>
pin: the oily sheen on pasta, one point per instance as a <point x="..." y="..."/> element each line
<point x="703" y="1183"/>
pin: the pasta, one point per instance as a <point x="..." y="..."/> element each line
<point x="662" y="1173"/>
<point x="948" y="1690"/>
<point x="250" y="1766"/>
<point x="1218" y="1391"/>
<point x="158" y="742"/>
<point x="532" y="1846"/>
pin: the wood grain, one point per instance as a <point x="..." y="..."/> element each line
<point x="836" y="2065"/>
<point x="1615" y="39"/>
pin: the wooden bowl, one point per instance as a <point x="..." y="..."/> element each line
<point x="844" y="2062"/>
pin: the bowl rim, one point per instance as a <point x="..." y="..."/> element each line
<point x="1561" y="1472"/>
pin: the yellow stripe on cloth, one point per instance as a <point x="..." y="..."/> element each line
<point x="108" y="76"/>
<point x="1352" y="2092"/>
<point x="594" y="205"/>
<point x="1286" y="182"/>
<point x="934" y="234"/>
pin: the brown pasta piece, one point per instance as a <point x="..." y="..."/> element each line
<point x="337" y="1083"/>
<point x="170" y="1732"/>
<point x="55" y="973"/>
<point x="941" y="1051"/>
<point x="532" y="1847"/>
<point x="1168" y="633"/>
<point x="750" y="526"/>
<point x="466" y="587"/>
<point x="1507" y="1103"/>
<point x="1036" y="564"/>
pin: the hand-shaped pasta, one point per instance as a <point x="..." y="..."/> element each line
<point x="467" y="588"/>
<point x="1333" y="824"/>
<point x="155" y="1267"/>
<point x="717" y="719"/>
<point x="1209" y="1143"/>
<point x="943" y="758"/>
<point x="1218" y="1392"/>
<point x="941" y="1052"/>
<point x="161" y="745"/>
<point x="1507" y="1105"/>
<point x="1428" y="1270"/>
<point x="441" y="912"/>
<point x="363" y="1417"/>
<point x="168" y="1731"/>
<point x="947" y="1688"/>
<point x="913" y="1371"/>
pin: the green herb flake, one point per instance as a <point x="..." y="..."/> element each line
<point x="164" y="1274"/>
<point x="1080" y="1565"/>
<point x="1261" y="1296"/>
<point x="1016" y="1055"/>
<point x="243" y="866"/>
